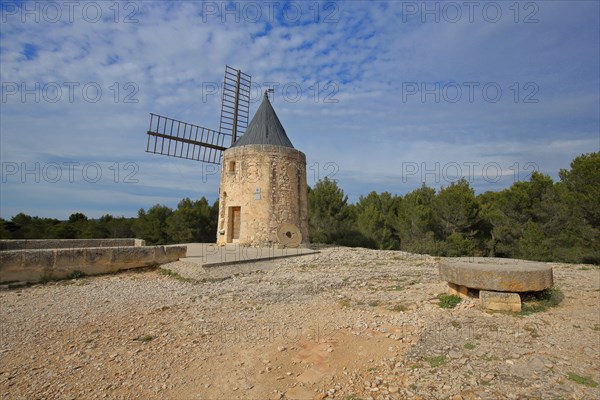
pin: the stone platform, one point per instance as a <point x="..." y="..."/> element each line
<point x="208" y="261"/>
<point x="498" y="280"/>
<point x="214" y="255"/>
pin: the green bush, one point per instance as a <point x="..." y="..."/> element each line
<point x="540" y="301"/>
<point x="582" y="380"/>
<point x="449" y="300"/>
<point x="76" y="275"/>
<point x="458" y="245"/>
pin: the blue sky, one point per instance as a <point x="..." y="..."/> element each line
<point x="380" y="96"/>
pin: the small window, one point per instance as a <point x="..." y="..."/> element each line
<point x="231" y="166"/>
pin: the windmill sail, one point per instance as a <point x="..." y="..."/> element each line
<point x="171" y="137"/>
<point x="235" y="105"/>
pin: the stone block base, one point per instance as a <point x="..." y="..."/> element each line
<point x="500" y="301"/>
<point x="458" y="290"/>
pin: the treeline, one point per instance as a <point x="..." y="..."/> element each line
<point x="537" y="219"/>
<point x="191" y="221"/>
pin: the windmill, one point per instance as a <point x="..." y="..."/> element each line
<point x="263" y="190"/>
<point x="171" y="137"/>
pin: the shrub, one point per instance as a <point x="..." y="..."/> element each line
<point x="449" y="300"/>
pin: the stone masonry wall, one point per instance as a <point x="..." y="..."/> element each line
<point x="269" y="184"/>
<point x="39" y="264"/>
<point x="31" y="244"/>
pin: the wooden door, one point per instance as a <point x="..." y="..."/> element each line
<point x="235" y="222"/>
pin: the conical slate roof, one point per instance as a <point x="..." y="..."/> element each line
<point x="265" y="128"/>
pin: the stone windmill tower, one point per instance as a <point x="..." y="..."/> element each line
<point x="263" y="192"/>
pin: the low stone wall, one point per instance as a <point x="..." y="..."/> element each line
<point x="43" y="264"/>
<point x="32" y="244"/>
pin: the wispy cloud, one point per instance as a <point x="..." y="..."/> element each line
<point x="365" y="89"/>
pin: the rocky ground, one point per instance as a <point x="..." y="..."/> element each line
<point x="343" y="324"/>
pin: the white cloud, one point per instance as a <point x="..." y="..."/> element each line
<point x="173" y="51"/>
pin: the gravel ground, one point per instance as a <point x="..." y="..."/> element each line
<point x="344" y="324"/>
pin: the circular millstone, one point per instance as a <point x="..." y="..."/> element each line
<point x="289" y="235"/>
<point x="498" y="274"/>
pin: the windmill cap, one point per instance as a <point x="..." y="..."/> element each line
<point x="265" y="128"/>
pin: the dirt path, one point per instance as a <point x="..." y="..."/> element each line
<point x="344" y="324"/>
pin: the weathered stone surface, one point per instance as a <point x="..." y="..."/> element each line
<point x="42" y="258"/>
<point x="268" y="183"/>
<point x="11" y="259"/>
<point x="96" y="257"/>
<point x="34" y="265"/>
<point x="10" y="264"/>
<point x="458" y="290"/>
<point x="31" y="244"/>
<point x="502" y="275"/>
<point x="173" y="253"/>
<point x="500" y="301"/>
